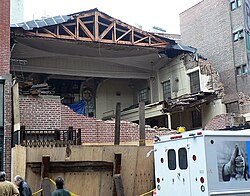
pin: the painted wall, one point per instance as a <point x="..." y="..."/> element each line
<point x="112" y="91"/>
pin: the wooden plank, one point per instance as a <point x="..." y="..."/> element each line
<point x="49" y="32"/>
<point x="144" y="174"/>
<point x="72" y="166"/>
<point x="118" y="185"/>
<point x="117" y="123"/>
<point x="45" y="166"/>
<point x="106" y="31"/>
<point x="85" y="29"/>
<point x="96" y="30"/>
<point x="141" y="40"/>
<point x="68" y="31"/>
<point x="114" y="32"/>
<point x="124" y="34"/>
<point x="142" y="123"/>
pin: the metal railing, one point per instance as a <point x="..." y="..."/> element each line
<point x="42" y="138"/>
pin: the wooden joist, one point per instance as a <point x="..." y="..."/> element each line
<point x="73" y="166"/>
<point x="99" y="27"/>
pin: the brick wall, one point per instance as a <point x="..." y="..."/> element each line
<point x="208" y="26"/>
<point x="220" y="122"/>
<point x="4" y="74"/>
<point x="47" y="112"/>
<point x="40" y="112"/>
<point x="5" y="37"/>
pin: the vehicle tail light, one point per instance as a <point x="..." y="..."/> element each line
<point x="158" y="180"/>
<point x="202" y="180"/>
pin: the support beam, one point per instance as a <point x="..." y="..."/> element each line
<point x="169" y="120"/>
<point x="142" y="123"/>
<point x="117" y="123"/>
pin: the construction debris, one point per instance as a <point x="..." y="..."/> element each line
<point x="28" y="88"/>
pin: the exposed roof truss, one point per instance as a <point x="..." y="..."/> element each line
<point x="95" y="26"/>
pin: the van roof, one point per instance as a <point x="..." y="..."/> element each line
<point x="200" y="132"/>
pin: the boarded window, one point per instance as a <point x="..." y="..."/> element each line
<point x="171" y="159"/>
<point x="194" y="82"/>
<point x="166" y="87"/>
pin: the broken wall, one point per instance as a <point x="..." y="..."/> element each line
<point x="47" y="113"/>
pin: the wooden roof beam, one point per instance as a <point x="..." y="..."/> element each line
<point x="68" y="31"/>
<point x="106" y="31"/>
<point x="124" y="35"/>
<point x="85" y="29"/>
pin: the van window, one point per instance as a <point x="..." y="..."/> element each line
<point x="171" y="159"/>
<point x="182" y="155"/>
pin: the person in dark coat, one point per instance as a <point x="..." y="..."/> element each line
<point x="23" y="186"/>
<point x="60" y="191"/>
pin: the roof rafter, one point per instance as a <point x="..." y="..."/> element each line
<point x="97" y="26"/>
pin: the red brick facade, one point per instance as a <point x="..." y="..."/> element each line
<point x="5" y="37"/>
<point x="4" y="74"/>
<point x="48" y="113"/>
<point x="220" y="122"/>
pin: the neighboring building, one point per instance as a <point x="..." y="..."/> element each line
<point x="94" y="60"/>
<point x="5" y="89"/>
<point x="16" y="11"/>
<point x="217" y="30"/>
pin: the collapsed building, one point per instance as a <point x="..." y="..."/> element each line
<point x="72" y="75"/>
<point x="91" y="61"/>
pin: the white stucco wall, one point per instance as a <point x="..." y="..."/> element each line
<point x="175" y="72"/>
<point x="106" y="97"/>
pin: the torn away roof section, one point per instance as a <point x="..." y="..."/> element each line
<point x="91" y="25"/>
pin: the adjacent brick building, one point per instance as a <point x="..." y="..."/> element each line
<point x="216" y="29"/>
<point x="5" y="89"/>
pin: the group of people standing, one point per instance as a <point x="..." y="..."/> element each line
<point x="22" y="188"/>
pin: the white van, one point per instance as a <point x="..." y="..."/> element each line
<point x="203" y="163"/>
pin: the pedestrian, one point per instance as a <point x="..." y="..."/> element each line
<point x="23" y="186"/>
<point x="60" y="191"/>
<point x="7" y="188"/>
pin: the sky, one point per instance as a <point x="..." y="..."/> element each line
<point x="147" y="13"/>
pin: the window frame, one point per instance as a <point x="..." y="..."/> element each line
<point x="166" y="91"/>
<point x="196" y="119"/>
<point x="238" y="35"/>
<point x="143" y="95"/>
<point x="194" y="77"/>
<point x="171" y="159"/>
<point x="235" y="4"/>
<point x="241" y="70"/>
<point x="182" y="160"/>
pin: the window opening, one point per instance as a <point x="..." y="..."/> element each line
<point x="171" y="159"/>
<point x="166" y="86"/>
<point x="143" y="95"/>
<point x="194" y="82"/>
<point x="196" y="119"/>
<point x="242" y="69"/>
<point x="182" y="156"/>
<point x="235" y="4"/>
